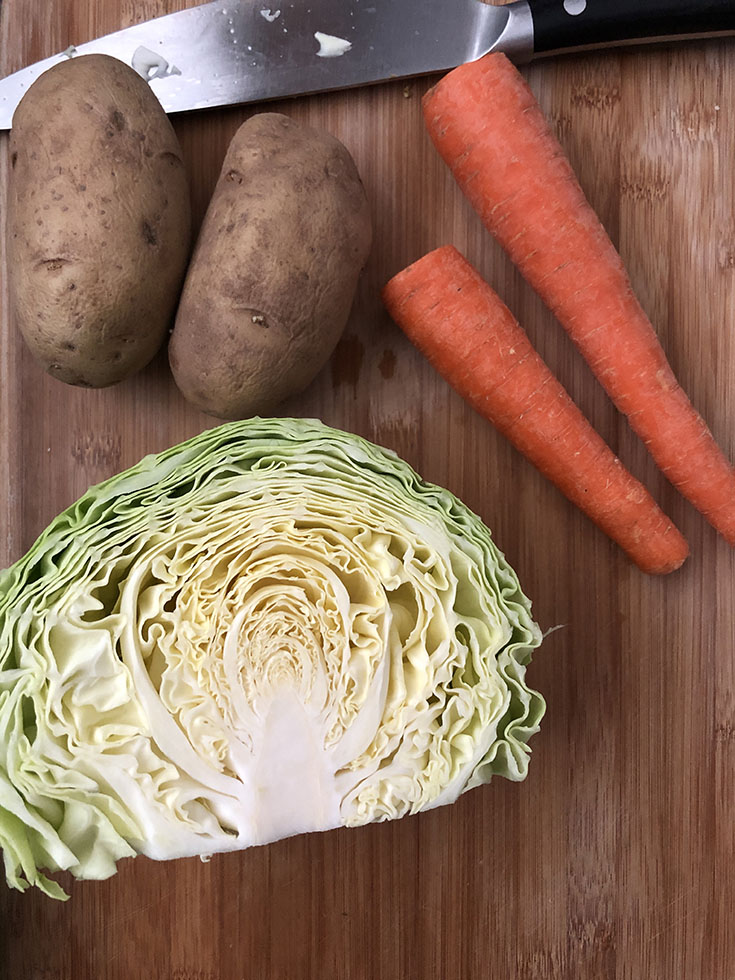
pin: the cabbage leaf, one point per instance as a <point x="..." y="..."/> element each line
<point x="273" y="628"/>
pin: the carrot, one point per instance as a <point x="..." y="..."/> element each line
<point x="472" y="339"/>
<point x="488" y="127"/>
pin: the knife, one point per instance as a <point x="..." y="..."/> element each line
<point x="238" y="51"/>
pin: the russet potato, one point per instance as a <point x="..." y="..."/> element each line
<point x="274" y="272"/>
<point x="98" y="221"/>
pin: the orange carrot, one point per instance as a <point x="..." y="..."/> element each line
<point x="453" y="316"/>
<point x="488" y="127"/>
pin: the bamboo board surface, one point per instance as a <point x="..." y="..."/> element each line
<point x="614" y="859"/>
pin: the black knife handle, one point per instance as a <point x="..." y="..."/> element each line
<point x="563" y="24"/>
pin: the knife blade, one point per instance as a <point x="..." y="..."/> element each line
<point x="237" y="51"/>
<point x="229" y="52"/>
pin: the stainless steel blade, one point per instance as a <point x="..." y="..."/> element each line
<point x="237" y="51"/>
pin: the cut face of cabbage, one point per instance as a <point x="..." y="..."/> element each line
<point x="273" y="628"/>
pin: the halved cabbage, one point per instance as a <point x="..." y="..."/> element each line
<point x="275" y="627"/>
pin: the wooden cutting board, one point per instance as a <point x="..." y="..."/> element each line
<point x="615" y="858"/>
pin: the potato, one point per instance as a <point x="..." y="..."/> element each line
<point x="274" y="272"/>
<point x="98" y="221"/>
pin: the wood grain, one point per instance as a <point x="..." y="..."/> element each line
<point x="614" y="859"/>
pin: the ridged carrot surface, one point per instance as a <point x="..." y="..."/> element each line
<point x="491" y="132"/>
<point x="473" y="340"/>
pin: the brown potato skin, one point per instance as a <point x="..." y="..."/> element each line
<point x="274" y="272"/>
<point x="99" y="221"/>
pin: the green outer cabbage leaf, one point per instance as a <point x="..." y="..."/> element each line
<point x="272" y="628"/>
